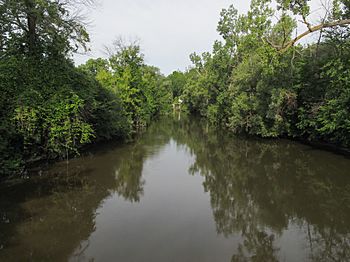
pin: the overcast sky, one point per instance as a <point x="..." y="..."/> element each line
<point x="169" y="30"/>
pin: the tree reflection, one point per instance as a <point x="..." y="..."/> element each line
<point x="258" y="187"/>
<point x="47" y="217"/>
<point x="128" y="181"/>
<point x="128" y="172"/>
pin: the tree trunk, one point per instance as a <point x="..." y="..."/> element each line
<point x="32" y="24"/>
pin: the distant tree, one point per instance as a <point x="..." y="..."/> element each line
<point x="177" y="82"/>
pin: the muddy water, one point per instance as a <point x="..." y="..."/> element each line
<point x="182" y="192"/>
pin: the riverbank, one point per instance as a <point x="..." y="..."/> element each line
<point x="186" y="184"/>
<point x="36" y="167"/>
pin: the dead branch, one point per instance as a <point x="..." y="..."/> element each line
<point x="310" y="30"/>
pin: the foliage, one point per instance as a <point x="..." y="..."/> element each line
<point x="176" y="81"/>
<point x="40" y="27"/>
<point x="51" y="109"/>
<point x="247" y="85"/>
<point x="141" y="88"/>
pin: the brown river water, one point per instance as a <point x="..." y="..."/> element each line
<point x="182" y="191"/>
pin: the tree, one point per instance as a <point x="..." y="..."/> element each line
<point x="257" y="81"/>
<point x="139" y="87"/>
<point x="333" y="18"/>
<point x="177" y="81"/>
<point x="41" y="27"/>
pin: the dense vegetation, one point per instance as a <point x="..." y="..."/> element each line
<point x="48" y="107"/>
<point x="261" y="81"/>
<point x="258" y="80"/>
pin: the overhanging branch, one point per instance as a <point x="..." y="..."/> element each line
<point x="310" y="30"/>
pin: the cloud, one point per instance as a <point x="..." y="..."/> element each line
<point x="169" y="30"/>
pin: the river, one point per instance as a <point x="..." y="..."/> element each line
<point x="182" y="191"/>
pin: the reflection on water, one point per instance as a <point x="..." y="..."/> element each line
<point x="183" y="192"/>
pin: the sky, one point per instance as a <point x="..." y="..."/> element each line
<point x="168" y="31"/>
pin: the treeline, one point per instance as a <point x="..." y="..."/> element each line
<point x="48" y="107"/>
<point x="261" y="81"/>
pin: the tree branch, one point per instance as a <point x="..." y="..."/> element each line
<point x="307" y="23"/>
<point x="266" y="40"/>
<point x="310" y="30"/>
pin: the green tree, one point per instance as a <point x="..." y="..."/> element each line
<point x="41" y="27"/>
<point x="261" y="81"/>
<point x="139" y="87"/>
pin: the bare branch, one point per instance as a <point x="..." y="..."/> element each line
<point x="327" y="8"/>
<point x="307" y="23"/>
<point x="312" y="29"/>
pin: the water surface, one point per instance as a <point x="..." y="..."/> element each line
<point x="183" y="191"/>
